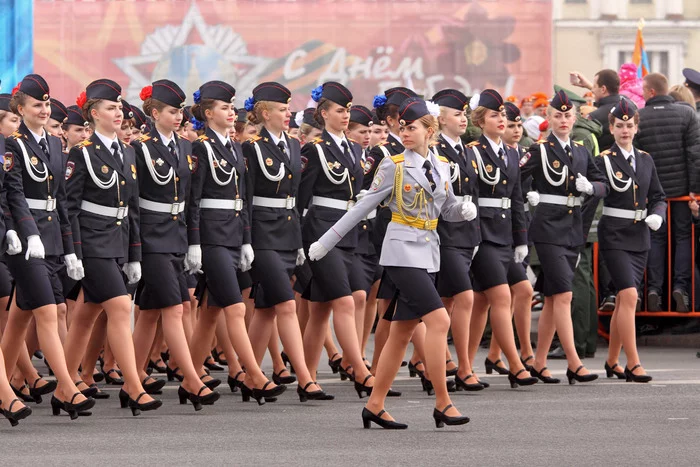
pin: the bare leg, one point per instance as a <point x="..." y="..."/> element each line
<point x="461" y="317"/>
<point x="381" y="333"/>
<point x="480" y="314"/>
<point x="62" y="321"/>
<point x="627" y="300"/>
<point x="501" y="324"/>
<point x="289" y="332"/>
<point x="370" y="316"/>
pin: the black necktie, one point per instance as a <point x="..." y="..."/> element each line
<point x="567" y="150"/>
<point x="429" y="173"/>
<point x="173" y="151"/>
<point x="346" y="151"/>
<point x="630" y="159"/>
<point x="458" y="148"/>
<point x="116" y="153"/>
<point x="44" y="147"/>
<point x="229" y="146"/>
<point x="282" y="147"/>
<point x="502" y="155"/>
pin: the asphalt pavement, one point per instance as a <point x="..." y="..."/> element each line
<point x="608" y="422"/>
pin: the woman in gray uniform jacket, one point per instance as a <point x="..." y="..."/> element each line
<point x="415" y="185"/>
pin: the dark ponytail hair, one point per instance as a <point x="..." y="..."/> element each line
<point x="323" y="104"/>
<point x="199" y="110"/>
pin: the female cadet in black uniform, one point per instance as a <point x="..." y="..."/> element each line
<point x="329" y="186"/>
<point x="635" y="195"/>
<point x="274" y="174"/>
<point x="219" y="232"/>
<point x="102" y="204"/>
<point x="520" y="287"/>
<point x="502" y="223"/>
<point x="36" y="197"/>
<point x="560" y="170"/>
<point x="458" y="239"/>
<point x="417" y="186"/>
<point x="163" y="162"/>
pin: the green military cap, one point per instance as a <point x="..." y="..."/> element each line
<point x="573" y="97"/>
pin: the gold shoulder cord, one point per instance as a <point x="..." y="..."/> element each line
<point x="419" y="201"/>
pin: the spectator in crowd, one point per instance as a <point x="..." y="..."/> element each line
<point x="606" y="90"/>
<point x="631" y="84"/>
<point x="692" y="82"/>
<point x="682" y="95"/>
<point x="671" y="133"/>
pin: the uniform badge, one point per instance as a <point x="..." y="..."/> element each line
<point x="133" y="171"/>
<point x="618" y="174"/>
<point x="304" y="161"/>
<point x="556" y="164"/>
<point x="369" y="163"/>
<point x="268" y="162"/>
<point x="223" y="162"/>
<point x="447" y="186"/>
<point x="215" y="163"/>
<point x="336" y="165"/>
<point x="524" y="159"/>
<point x="362" y="164"/>
<point x="376" y="183"/>
<point x="160" y="162"/>
<point x="489" y="168"/>
<point x="8" y="162"/>
<point x="104" y="169"/>
<point x="330" y="165"/>
<point x="70" y="168"/>
<point x="407" y="187"/>
<point x="34" y="160"/>
<point x="195" y="163"/>
<point x="189" y="162"/>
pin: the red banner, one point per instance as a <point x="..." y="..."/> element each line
<point x="367" y="45"/>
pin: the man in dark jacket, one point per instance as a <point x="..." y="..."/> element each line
<point x="692" y="82"/>
<point x="670" y="132"/>
<point x="606" y="90"/>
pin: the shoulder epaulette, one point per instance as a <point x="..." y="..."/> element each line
<point x="143" y="138"/>
<point x="578" y="144"/>
<point x="202" y="138"/>
<point x="254" y="139"/>
<point x="541" y="141"/>
<point x="472" y="144"/>
<point x="352" y="141"/>
<point x="16" y="135"/>
<point x="383" y="143"/>
<point x="443" y="159"/>
<point x="433" y="144"/>
<point x="397" y="158"/>
<point x="83" y="144"/>
<point x="642" y="152"/>
<point x="317" y="140"/>
<point x="604" y="153"/>
<point x="293" y="137"/>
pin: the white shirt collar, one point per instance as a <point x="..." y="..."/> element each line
<point x="563" y="143"/>
<point x="339" y="141"/>
<point x="222" y="138"/>
<point x="452" y="142"/>
<point x="166" y="141"/>
<point x="625" y="153"/>
<point x="106" y="141"/>
<point x="38" y="137"/>
<point x="276" y="140"/>
<point x="396" y="137"/>
<point x="495" y="146"/>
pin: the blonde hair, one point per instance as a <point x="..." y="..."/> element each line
<point x="150" y="104"/>
<point x="478" y="116"/>
<point x="682" y="94"/>
<point x="256" y="115"/>
<point x="429" y="122"/>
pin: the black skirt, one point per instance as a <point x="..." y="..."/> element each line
<point x="490" y="265"/>
<point x="558" y="267"/>
<point x="364" y="272"/>
<point x="416" y="295"/>
<point x="626" y="268"/>
<point x="163" y="281"/>
<point x="220" y="266"/>
<point x="331" y="275"/>
<point x="103" y="280"/>
<point x="272" y="272"/>
<point x="516" y="272"/>
<point x="455" y="264"/>
<point x="36" y="281"/>
<point x="5" y="279"/>
<point x="387" y="289"/>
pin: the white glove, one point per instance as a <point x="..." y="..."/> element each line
<point x="361" y="195"/>
<point x="35" y="248"/>
<point x="520" y="253"/>
<point x="317" y="251"/>
<point x="469" y="211"/>
<point x="14" y="245"/>
<point x="533" y="198"/>
<point x="247" y="257"/>
<point x="301" y="257"/>
<point x="578" y="260"/>
<point x="193" y="259"/>
<point x="132" y="271"/>
<point x="654" y="221"/>
<point x="583" y="185"/>
<point x="476" y="250"/>
<point x="74" y="267"/>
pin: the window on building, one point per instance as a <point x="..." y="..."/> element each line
<point x="658" y="60"/>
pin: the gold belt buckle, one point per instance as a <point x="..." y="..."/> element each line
<point x="426" y="225"/>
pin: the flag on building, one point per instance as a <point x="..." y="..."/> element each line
<point x="639" y="56"/>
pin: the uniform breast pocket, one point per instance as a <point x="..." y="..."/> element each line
<point x="401" y="235"/>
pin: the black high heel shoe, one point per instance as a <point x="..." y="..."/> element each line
<point x="98" y="377"/>
<point x="368" y="417"/>
<point x="156" y="367"/>
<point x="305" y="395"/>
<point x="345" y="373"/>
<point x="89" y="392"/>
<point x="427" y="385"/>
<point x="461" y="384"/>
<point x="234" y="383"/>
<point x="22" y="396"/>
<point x="15" y="417"/>
<point x="524" y="362"/>
<point x="37" y="392"/>
<point x="212" y="383"/>
<point x="573" y="376"/>
<point x="287" y="361"/>
<point x="491" y="366"/>
<point x="172" y="374"/>
<point x="135" y="406"/>
<point x="116" y="381"/>
<point x="451" y="372"/>
<point x="441" y="419"/>
<point x="515" y="381"/>
<point x="360" y="387"/>
<point x="631" y="377"/>
<point x="610" y="371"/>
<point x="543" y="378"/>
<point x="98" y="394"/>
<point x="393" y="393"/>
<point x="260" y="394"/>
<point x="335" y="364"/>
<point x="153" y="387"/>
<point x="277" y="378"/>
<point x="210" y="365"/>
<point x="48" y="367"/>
<point x="413" y="370"/>
<point x="197" y="399"/>
<point x="73" y="410"/>
<point x="325" y="396"/>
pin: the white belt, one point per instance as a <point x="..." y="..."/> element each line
<point x="636" y="215"/>
<point x="526" y="207"/>
<point x="332" y="203"/>
<point x="464" y="199"/>
<point x="42" y="204"/>
<point x="229" y="204"/>
<point x="106" y="211"/>
<point x="569" y="201"/>
<point x="502" y="203"/>
<point x="170" y="208"/>
<point x="286" y="203"/>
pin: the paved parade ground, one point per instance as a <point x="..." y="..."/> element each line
<point x="608" y="422"/>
